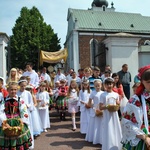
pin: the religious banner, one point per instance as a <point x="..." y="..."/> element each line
<point x="53" y="57"/>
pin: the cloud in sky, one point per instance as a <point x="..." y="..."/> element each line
<point x="54" y="12"/>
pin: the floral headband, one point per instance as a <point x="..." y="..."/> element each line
<point x="20" y="81"/>
<point x="97" y="80"/>
<point x="85" y="81"/>
<point x="108" y="79"/>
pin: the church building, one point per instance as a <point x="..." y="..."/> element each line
<point x="101" y="36"/>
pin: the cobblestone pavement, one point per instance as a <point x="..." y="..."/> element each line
<point x="61" y="137"/>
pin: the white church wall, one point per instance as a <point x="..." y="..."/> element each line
<point x="144" y="59"/>
<point x="144" y="55"/>
<point x="3" y="54"/>
<point x="123" y="51"/>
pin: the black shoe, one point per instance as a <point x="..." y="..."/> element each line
<point x="61" y="116"/>
<point x="36" y="135"/>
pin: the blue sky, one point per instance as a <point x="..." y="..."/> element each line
<point x="54" y="12"/>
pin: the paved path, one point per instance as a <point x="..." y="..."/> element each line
<point x="61" y="137"/>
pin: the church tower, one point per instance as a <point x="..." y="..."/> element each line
<point x="102" y="5"/>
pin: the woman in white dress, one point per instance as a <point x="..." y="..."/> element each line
<point x="85" y="112"/>
<point x="94" y="131"/>
<point x="111" y="125"/>
<point x="43" y="101"/>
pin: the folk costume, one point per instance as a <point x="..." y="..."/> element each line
<point x="11" y="110"/>
<point x="136" y="117"/>
<point x="61" y="101"/>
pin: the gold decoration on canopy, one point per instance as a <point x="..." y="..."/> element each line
<point x="53" y="57"/>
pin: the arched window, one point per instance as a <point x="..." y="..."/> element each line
<point x="104" y="7"/>
<point x="93" y="51"/>
<point x="147" y="42"/>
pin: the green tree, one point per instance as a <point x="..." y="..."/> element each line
<point x="30" y="35"/>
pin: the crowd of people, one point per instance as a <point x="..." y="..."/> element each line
<point x="109" y="114"/>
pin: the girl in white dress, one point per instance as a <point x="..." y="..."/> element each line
<point x="85" y="112"/>
<point x="112" y="133"/>
<point x="36" y="121"/>
<point x="94" y="132"/>
<point x="43" y="100"/>
<point x="27" y="97"/>
<point x="73" y="98"/>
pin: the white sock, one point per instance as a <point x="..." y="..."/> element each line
<point x="74" y="123"/>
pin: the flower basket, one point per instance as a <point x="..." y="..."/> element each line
<point x="12" y="127"/>
<point x="98" y="113"/>
<point x="113" y="108"/>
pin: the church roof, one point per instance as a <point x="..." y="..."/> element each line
<point x="106" y="21"/>
<point x="2" y="33"/>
